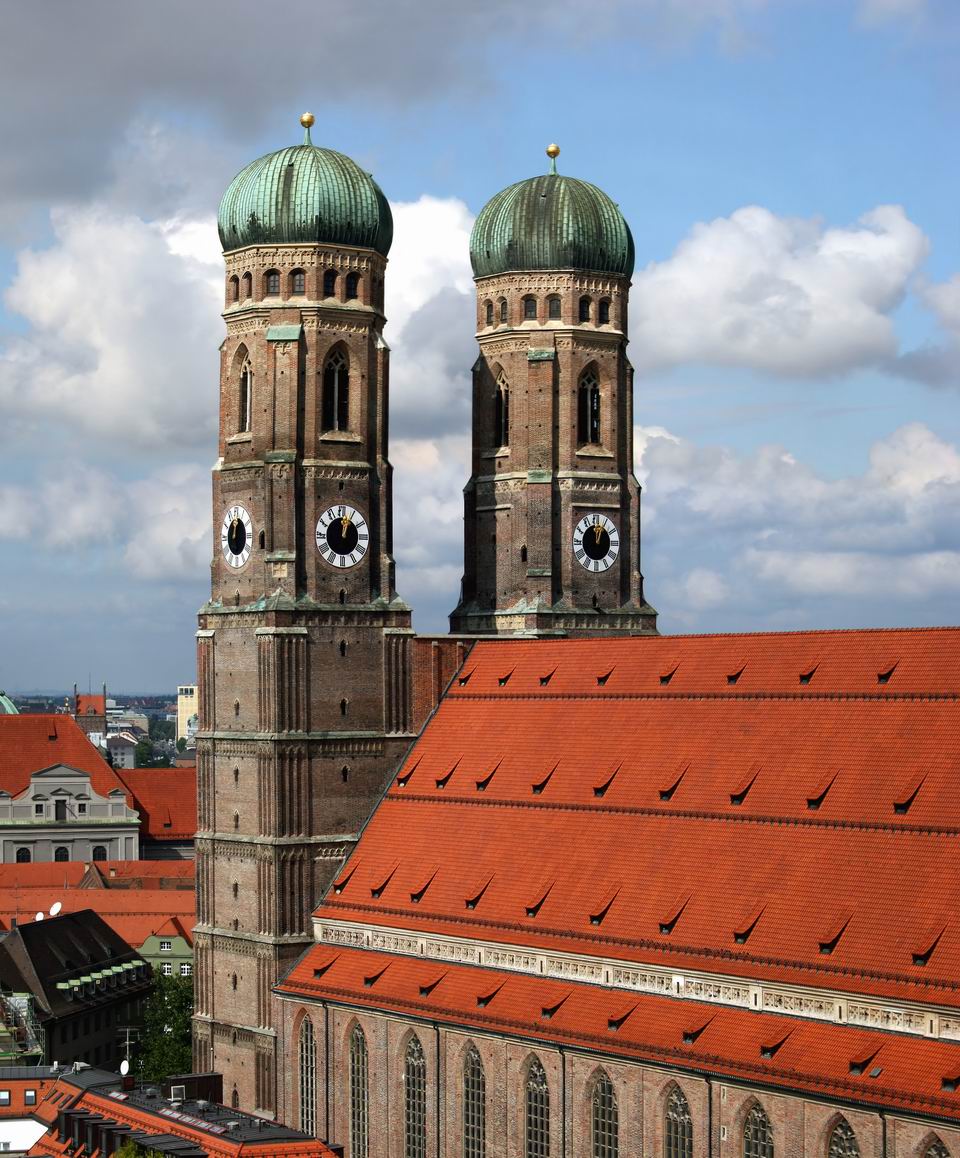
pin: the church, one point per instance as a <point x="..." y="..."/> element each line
<point x="553" y="884"/>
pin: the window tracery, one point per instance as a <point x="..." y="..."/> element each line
<point x="335" y="405"/>
<point x="605" y="1119"/>
<point x="588" y="408"/>
<point x="501" y="423"/>
<point x="757" y="1135"/>
<point x="308" y="1077"/>
<point x="843" y="1141"/>
<point x="415" y="1101"/>
<point x="537" y="1117"/>
<point x="474" y="1106"/>
<point x="678" y="1126"/>
<point x="359" y="1095"/>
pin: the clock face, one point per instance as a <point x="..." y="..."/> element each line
<point x="236" y="536"/>
<point x="596" y="542"/>
<point x="342" y="536"/>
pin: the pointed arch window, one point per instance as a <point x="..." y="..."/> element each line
<point x="553" y="308"/>
<point x="329" y="283"/>
<point x="757" y="1135"/>
<point x="245" y="408"/>
<point x="605" y="1119"/>
<point x="359" y="1095"/>
<point x="336" y="393"/>
<point x="308" y="1077"/>
<point x="585" y="305"/>
<point x="603" y="313"/>
<point x="501" y="418"/>
<point x="414" y="1101"/>
<point x="271" y="283"/>
<point x="503" y="309"/>
<point x="537" y="1117"/>
<point x="351" y="286"/>
<point x="488" y="313"/>
<point x="843" y="1141"/>
<point x="678" y="1126"/>
<point x="588" y="409"/>
<point x="474" y="1106"/>
<point x="298" y="283"/>
<point x="936" y="1149"/>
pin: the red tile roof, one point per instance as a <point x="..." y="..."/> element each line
<point x="133" y="914"/>
<point x="166" y="799"/>
<point x="816" y="1057"/>
<point x="670" y="813"/>
<point x="88" y="705"/>
<point x="29" y="744"/>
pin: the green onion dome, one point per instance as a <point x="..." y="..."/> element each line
<point x="305" y="194"/>
<point x="7" y="706"/>
<point x="551" y="222"/>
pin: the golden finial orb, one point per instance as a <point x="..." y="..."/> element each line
<point x="553" y="151"/>
<point x="307" y="120"/>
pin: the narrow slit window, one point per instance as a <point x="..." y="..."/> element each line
<point x="329" y="283"/>
<point x="489" y="313"/>
<point x="501" y="418"/>
<point x="336" y="393"/>
<point x="351" y="286"/>
<point x="588" y="409"/>
<point x="503" y="309"/>
<point x="584" y="309"/>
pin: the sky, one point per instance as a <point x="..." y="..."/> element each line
<point x="790" y="173"/>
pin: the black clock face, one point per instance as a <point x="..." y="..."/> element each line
<point x="236" y="536"/>
<point x="342" y="536"/>
<point x="596" y="543"/>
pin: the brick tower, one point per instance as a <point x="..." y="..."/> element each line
<point x="304" y="647"/>
<point x="552" y="508"/>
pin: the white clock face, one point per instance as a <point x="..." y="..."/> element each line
<point x="342" y="536"/>
<point x="236" y="536"/>
<point x="596" y="542"/>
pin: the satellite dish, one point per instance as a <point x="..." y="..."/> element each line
<point x="55" y="908"/>
<point x="38" y="917"/>
<point x="124" y="1067"/>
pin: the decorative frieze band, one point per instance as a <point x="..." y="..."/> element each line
<point x="795" y="1001"/>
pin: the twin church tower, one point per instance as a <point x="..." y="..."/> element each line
<point x="312" y="681"/>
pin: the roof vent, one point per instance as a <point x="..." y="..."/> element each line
<point x="472" y="902"/>
<point x="739" y="794"/>
<point x="616" y="1023"/>
<point x="834" y="933"/>
<point x="602" y="679"/>
<point x="859" y="1064"/>
<point x="690" y="1035"/>
<point x="465" y="679"/>
<point x="534" y="909"/>
<point x="883" y="677"/>
<point x="321" y="969"/>
<point x="601" y="789"/>
<point x="443" y="781"/>
<point x="733" y="676"/>
<point x="372" y="978"/>
<point x="342" y="883"/>
<point x="907" y="795"/>
<point x="550" y="1011"/>
<point x="536" y="789"/>
<point x="377" y="891"/>
<point x="484" y="999"/>
<point x="428" y="988"/>
<point x="807" y="676"/>
<point x="505" y="679"/>
<point x="950" y="1082"/>
<point x="598" y="917"/>
<point x="482" y="784"/>
<point x="670" y="919"/>
<point x="819" y="794"/>
<point x="403" y="780"/>
<point x="417" y="896"/>
<point x="545" y="679"/>
<point x="771" y="1048"/>
<point x="742" y="934"/>
<point x="667" y="791"/>
<point x="922" y="957"/>
<point x="667" y="676"/>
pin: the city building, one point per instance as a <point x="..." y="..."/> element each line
<point x="90" y="711"/>
<point x="186" y="710"/>
<point x="122" y="747"/>
<point x="166" y="801"/>
<point x="627" y="894"/>
<point x="59" y="799"/>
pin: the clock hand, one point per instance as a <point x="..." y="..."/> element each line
<point x="344" y="525"/>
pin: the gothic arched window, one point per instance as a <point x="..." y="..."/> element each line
<point x="336" y="393"/>
<point x="359" y="1113"/>
<point x="61" y="853"/>
<point x="529" y="309"/>
<point x="501" y="418"/>
<point x="271" y="283"/>
<point x="298" y="282"/>
<point x="235" y="1098"/>
<point x="936" y="1149"/>
<point x="585" y="304"/>
<point x="843" y="1141"/>
<point x="588" y="408"/>
<point x="234" y="288"/>
<point x="414" y="1101"/>
<point x="678" y="1126"/>
<point x="245" y="408"/>
<point x="537" y="1117"/>
<point x="351" y="286"/>
<point x="503" y="309"/>
<point x="474" y="1106"/>
<point x="329" y="283"/>
<point x="604" y="1119"/>
<point x="308" y="1077"/>
<point x="757" y="1135"/>
<point x="247" y="286"/>
<point x="553" y="308"/>
<point x="603" y="314"/>
<point x="99" y="852"/>
<point x="24" y="856"/>
<point x="488" y="313"/>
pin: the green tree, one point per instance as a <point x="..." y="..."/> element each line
<point x="182" y="744"/>
<point x="165" y="1045"/>
<point x="131" y="1149"/>
<point x="144" y="754"/>
<point x="162" y="729"/>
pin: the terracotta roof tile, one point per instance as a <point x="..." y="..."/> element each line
<point x="166" y="799"/>
<point x="29" y="744"/>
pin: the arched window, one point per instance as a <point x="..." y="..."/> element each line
<point x="529" y="309"/>
<point x="24" y="856"/>
<point x="489" y="313"/>
<point x="501" y="418"/>
<point x="537" y="1117"/>
<point x="936" y="1149"/>
<point x="246" y="397"/>
<point x="757" y="1135"/>
<point x="359" y="1113"/>
<point x="61" y="853"/>
<point x="247" y="286"/>
<point x="588" y="408"/>
<point x="336" y="393"/>
<point x="308" y="1077"/>
<point x="351" y="286"/>
<point x="603" y="313"/>
<point x="236" y="821"/>
<point x="474" y="1106"/>
<point x="329" y="283"/>
<point x="235" y="1099"/>
<point x="415" y="1101"/>
<point x="585" y="309"/>
<point x="234" y="288"/>
<point x="553" y="308"/>
<point x="843" y="1141"/>
<point x="503" y="309"/>
<point x="99" y="852"/>
<point x="271" y="283"/>
<point x="605" y="1119"/>
<point x="678" y="1126"/>
<point x="298" y="282"/>
<point x="343" y="647"/>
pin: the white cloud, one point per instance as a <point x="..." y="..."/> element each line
<point x="779" y="295"/>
